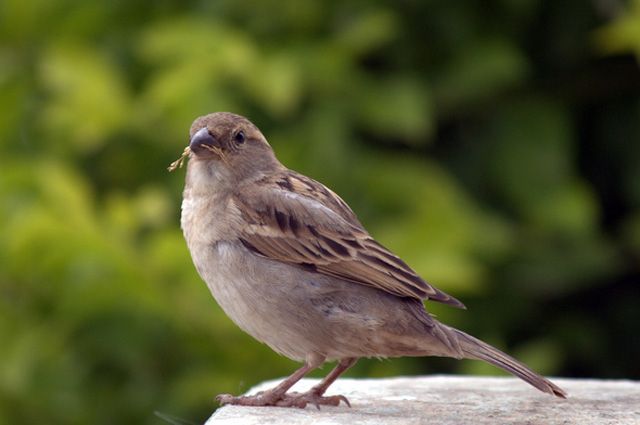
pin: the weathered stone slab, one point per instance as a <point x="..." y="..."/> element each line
<point x="445" y="400"/>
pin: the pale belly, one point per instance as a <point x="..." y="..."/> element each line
<point x="302" y="314"/>
<point x="263" y="299"/>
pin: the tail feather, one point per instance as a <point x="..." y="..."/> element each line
<point x="473" y="348"/>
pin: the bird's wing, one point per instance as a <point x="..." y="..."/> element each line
<point x="294" y="219"/>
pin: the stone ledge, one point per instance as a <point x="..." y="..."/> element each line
<point x="445" y="400"/>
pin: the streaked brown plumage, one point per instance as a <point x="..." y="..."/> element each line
<point x="330" y="241"/>
<point x="290" y="263"/>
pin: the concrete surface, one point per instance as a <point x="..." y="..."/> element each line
<point x="440" y="400"/>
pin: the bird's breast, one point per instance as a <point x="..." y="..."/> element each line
<point x="207" y="219"/>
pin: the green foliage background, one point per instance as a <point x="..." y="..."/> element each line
<point x="492" y="144"/>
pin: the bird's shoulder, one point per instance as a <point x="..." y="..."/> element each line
<point x="291" y="196"/>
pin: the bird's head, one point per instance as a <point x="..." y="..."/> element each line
<point x="228" y="149"/>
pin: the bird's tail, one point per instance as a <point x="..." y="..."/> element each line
<point x="473" y="348"/>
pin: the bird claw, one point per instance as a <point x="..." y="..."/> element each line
<point x="299" y="400"/>
<point x="263" y="398"/>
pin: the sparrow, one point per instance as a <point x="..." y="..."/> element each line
<point x="290" y="263"/>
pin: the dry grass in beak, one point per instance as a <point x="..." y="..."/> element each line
<point x="218" y="153"/>
<point x="178" y="162"/>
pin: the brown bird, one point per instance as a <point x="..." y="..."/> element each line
<point x="289" y="262"/>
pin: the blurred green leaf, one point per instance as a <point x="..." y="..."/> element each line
<point x="623" y="34"/>
<point x="531" y="146"/>
<point x="399" y="108"/>
<point x="367" y="31"/>
<point x="89" y="97"/>
<point x="483" y="68"/>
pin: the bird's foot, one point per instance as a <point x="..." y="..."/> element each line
<point x="299" y="400"/>
<point x="263" y="398"/>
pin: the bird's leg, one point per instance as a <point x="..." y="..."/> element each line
<point x="315" y="394"/>
<point x="340" y="368"/>
<point x="269" y="397"/>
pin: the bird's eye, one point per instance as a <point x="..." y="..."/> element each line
<point x="239" y="137"/>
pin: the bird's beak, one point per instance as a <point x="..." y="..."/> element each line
<point x="203" y="143"/>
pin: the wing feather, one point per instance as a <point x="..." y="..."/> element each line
<point x="297" y="220"/>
